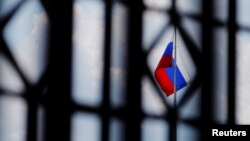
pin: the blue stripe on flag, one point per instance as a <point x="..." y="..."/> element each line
<point x="180" y="81"/>
<point x="169" y="49"/>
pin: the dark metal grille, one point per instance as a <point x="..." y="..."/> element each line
<point x="54" y="89"/>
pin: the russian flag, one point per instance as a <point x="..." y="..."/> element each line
<point x="164" y="72"/>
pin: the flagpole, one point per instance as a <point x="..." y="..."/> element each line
<point x="175" y="67"/>
<point x="175" y="59"/>
<point x="175" y="95"/>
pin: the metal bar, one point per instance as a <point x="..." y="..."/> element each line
<point x="173" y="117"/>
<point x="231" y="59"/>
<point x="134" y="71"/>
<point x="106" y="72"/>
<point x="58" y="100"/>
<point x="207" y="65"/>
<point x="32" y="96"/>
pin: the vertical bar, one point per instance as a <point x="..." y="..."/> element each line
<point x="58" y="100"/>
<point x="106" y="72"/>
<point x="135" y="65"/>
<point x="32" y="96"/>
<point x="207" y="65"/>
<point x="232" y="64"/>
<point x="173" y="119"/>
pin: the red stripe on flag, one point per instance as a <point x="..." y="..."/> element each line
<point x="164" y="81"/>
<point x="166" y="61"/>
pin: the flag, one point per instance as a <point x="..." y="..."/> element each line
<point x="164" y="72"/>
